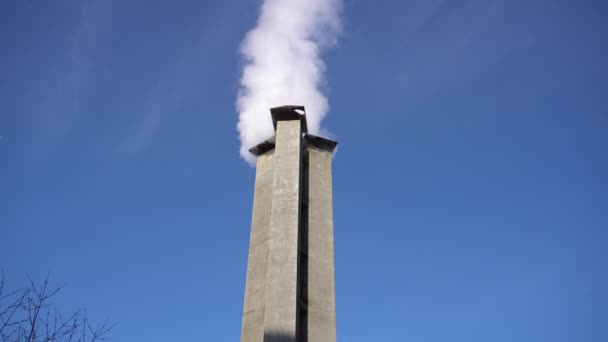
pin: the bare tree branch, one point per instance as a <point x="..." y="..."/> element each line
<point x="27" y="315"/>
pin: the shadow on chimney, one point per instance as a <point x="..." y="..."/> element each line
<point x="270" y="337"/>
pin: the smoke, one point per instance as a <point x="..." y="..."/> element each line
<point x="283" y="65"/>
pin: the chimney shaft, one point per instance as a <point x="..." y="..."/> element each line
<point x="290" y="286"/>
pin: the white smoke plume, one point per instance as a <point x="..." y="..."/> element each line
<point x="283" y="65"/>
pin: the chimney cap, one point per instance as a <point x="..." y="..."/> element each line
<point x="321" y="143"/>
<point x="262" y="147"/>
<point x="287" y="113"/>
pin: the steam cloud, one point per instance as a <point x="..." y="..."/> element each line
<point x="283" y="65"/>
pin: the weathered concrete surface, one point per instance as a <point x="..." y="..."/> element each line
<point x="321" y="320"/>
<point x="280" y="317"/>
<point x="255" y="288"/>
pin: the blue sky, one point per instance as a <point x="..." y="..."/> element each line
<point x="470" y="188"/>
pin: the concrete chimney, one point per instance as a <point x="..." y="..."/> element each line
<point x="290" y="286"/>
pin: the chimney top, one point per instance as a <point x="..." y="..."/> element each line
<point x="286" y="113"/>
<point x="262" y="147"/>
<point x="321" y="143"/>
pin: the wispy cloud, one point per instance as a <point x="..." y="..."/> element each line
<point x="177" y="83"/>
<point x="443" y="39"/>
<point x="56" y="94"/>
<point x="448" y="44"/>
<point x="158" y="105"/>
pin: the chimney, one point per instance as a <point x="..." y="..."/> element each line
<point x="290" y="286"/>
